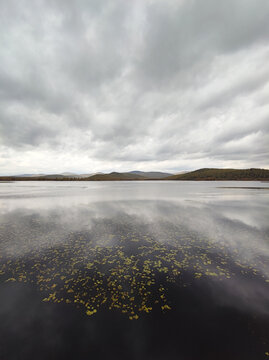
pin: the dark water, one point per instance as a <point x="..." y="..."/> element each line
<point x="134" y="270"/>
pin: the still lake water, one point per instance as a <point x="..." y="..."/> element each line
<point x="134" y="270"/>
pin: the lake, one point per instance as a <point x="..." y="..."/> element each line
<point x="155" y="270"/>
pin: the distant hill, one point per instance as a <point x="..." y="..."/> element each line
<point x="45" y="175"/>
<point x="55" y="176"/>
<point x="151" y="174"/>
<point x="76" y="176"/>
<point x="199" y="175"/>
<point x="223" y="174"/>
<point x="29" y="175"/>
<point x="115" y="176"/>
<point x="68" y="174"/>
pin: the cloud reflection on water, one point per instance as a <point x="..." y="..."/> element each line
<point x="41" y="216"/>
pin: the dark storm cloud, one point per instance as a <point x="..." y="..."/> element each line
<point x="244" y="87"/>
<point x="190" y="33"/>
<point x="175" y="84"/>
<point x="239" y="132"/>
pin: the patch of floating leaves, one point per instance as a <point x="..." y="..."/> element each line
<point x="128" y="273"/>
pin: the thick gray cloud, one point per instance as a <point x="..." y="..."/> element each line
<point x="103" y="85"/>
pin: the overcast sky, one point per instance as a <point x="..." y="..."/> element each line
<point x="93" y="85"/>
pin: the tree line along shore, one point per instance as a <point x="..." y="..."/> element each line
<point x="207" y="174"/>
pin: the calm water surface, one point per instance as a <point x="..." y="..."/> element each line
<point x="134" y="270"/>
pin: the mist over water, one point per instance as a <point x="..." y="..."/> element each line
<point x="206" y="244"/>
